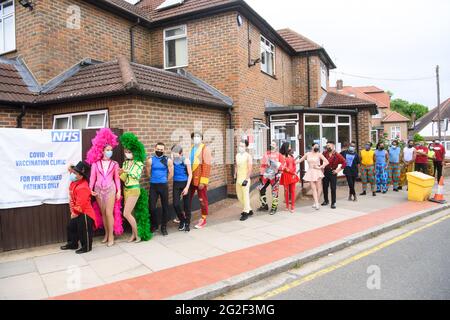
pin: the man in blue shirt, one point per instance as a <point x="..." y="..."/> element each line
<point x="394" y="165"/>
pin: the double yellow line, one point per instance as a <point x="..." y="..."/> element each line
<point x="345" y="262"/>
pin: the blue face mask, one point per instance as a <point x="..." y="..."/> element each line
<point x="109" y="154"/>
<point x="351" y="149"/>
<point x="73" y="177"/>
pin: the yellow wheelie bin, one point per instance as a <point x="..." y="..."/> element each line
<point x="420" y="186"/>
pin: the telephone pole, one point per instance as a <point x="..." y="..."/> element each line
<point x="439" y="102"/>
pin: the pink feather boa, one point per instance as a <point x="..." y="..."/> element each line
<point x="118" y="224"/>
<point x="103" y="138"/>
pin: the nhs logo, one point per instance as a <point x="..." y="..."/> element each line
<point x="66" y="136"/>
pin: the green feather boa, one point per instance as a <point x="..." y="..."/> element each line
<point x="142" y="216"/>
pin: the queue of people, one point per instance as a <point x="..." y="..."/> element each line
<point x="96" y="200"/>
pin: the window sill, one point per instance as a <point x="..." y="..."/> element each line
<point x="174" y="68"/>
<point x="269" y="75"/>
<point x="8" y="52"/>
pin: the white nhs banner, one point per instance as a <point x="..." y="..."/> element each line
<point x="35" y="165"/>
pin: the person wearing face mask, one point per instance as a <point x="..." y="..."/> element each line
<point x="272" y="165"/>
<point x="242" y="176"/>
<point x="439" y="151"/>
<point x="367" y="169"/>
<point x="421" y="157"/>
<point x="289" y="177"/>
<point x="381" y="166"/>
<point x="105" y="184"/>
<point x="394" y="166"/>
<point x="336" y="164"/>
<point x="201" y="159"/>
<point x="182" y="177"/>
<point x="314" y="175"/>
<point x="409" y="158"/>
<point x="160" y="170"/>
<point x="351" y="169"/>
<point x="82" y="215"/>
<point x="136" y="197"/>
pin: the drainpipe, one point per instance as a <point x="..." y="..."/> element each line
<point x="309" y="81"/>
<point x="20" y="117"/>
<point x="231" y="127"/>
<point x="132" y="39"/>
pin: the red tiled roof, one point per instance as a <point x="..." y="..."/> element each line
<point x="297" y="41"/>
<point x="395" y="117"/>
<point x="335" y="100"/>
<point x="13" y="88"/>
<point x="122" y="77"/>
<point x="189" y="6"/>
<point x="360" y="93"/>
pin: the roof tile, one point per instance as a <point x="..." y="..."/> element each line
<point x="297" y="41"/>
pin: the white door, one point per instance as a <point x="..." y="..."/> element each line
<point x="282" y="132"/>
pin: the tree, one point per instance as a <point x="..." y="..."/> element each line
<point x="408" y="109"/>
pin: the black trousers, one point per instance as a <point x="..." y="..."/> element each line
<point x="79" y="229"/>
<point x="438" y="168"/>
<point x="183" y="214"/>
<point x="422" y="167"/>
<point x="159" y="190"/>
<point x="351" y="184"/>
<point x="330" y="180"/>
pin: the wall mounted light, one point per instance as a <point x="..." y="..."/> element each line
<point x="27" y="4"/>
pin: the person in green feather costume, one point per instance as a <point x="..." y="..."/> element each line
<point x="136" y="198"/>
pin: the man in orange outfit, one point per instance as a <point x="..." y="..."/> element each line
<point x="201" y="159"/>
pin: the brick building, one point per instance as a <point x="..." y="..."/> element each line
<point x="154" y="67"/>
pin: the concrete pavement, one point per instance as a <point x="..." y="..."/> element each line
<point x="203" y="262"/>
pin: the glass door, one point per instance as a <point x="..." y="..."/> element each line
<point x="286" y="132"/>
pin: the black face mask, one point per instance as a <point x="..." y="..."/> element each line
<point x="381" y="148"/>
<point x="159" y="154"/>
<point x="316" y="149"/>
<point x="411" y="146"/>
<point x="329" y="150"/>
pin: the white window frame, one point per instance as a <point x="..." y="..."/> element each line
<point x="323" y="76"/>
<point x="399" y="131"/>
<point x="165" y="39"/>
<point x="267" y="48"/>
<point x="2" y="27"/>
<point x="89" y="114"/>
<point x="260" y="139"/>
<point x="322" y="125"/>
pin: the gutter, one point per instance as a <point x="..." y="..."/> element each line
<point x="309" y="80"/>
<point x="132" y="54"/>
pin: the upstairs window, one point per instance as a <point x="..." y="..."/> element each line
<point x="267" y="57"/>
<point x="7" y="27"/>
<point x="175" y="47"/>
<point x="323" y="76"/>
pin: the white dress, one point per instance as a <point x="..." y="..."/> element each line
<point x="313" y="174"/>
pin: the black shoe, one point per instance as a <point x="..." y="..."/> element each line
<point x="325" y="203"/>
<point x="378" y="191"/>
<point x="244" y="216"/>
<point x="81" y="251"/>
<point x="273" y="211"/>
<point x="395" y="190"/>
<point x="264" y="208"/>
<point x="374" y="194"/>
<point x="182" y="226"/>
<point x="69" y="247"/>
<point x="384" y="192"/>
<point x="153" y="229"/>
<point x="333" y="206"/>
<point x="400" y="188"/>
<point x="354" y="198"/>
<point x="363" y="193"/>
<point x="350" y="197"/>
<point x="250" y="213"/>
<point x="164" y="231"/>
<point x="187" y="227"/>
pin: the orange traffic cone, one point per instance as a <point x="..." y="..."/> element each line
<point x="439" y="196"/>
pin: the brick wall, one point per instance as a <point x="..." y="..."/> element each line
<point x="300" y="81"/>
<point x="403" y="129"/>
<point x="31" y="120"/>
<point x="49" y="47"/>
<point x="364" y="118"/>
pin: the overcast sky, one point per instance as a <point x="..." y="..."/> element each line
<point x="384" y="39"/>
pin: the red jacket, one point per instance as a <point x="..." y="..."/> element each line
<point x="334" y="160"/>
<point x="80" y="199"/>
<point x="439" y="151"/>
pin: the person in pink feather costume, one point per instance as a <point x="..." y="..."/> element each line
<point x="105" y="184"/>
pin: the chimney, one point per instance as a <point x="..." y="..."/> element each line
<point x="339" y="84"/>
